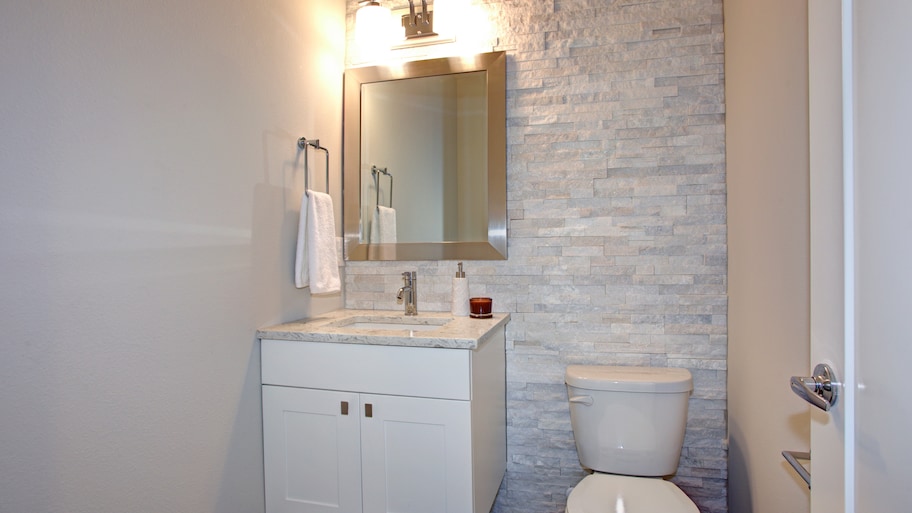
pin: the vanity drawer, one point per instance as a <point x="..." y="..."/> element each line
<point x="394" y="370"/>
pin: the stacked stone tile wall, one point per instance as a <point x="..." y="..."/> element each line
<point x="617" y="226"/>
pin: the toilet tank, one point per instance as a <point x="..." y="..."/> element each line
<point x="629" y="420"/>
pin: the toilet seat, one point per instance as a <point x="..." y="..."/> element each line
<point x="609" y="493"/>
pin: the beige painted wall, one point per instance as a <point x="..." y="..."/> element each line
<point x="149" y="194"/>
<point x="767" y="173"/>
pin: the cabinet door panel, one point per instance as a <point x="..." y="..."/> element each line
<point x="311" y="451"/>
<point x="416" y="455"/>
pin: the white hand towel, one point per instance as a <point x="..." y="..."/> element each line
<point x="316" y="265"/>
<point x="321" y="245"/>
<point x="301" y="274"/>
<point x="383" y="225"/>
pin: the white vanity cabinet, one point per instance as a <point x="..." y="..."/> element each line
<point x="353" y="428"/>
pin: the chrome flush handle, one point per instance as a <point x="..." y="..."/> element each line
<point x="582" y="399"/>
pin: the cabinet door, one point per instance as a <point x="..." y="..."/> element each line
<point x="312" y="451"/>
<point x="416" y="455"/>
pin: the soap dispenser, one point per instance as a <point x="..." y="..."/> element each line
<point x="460" y="306"/>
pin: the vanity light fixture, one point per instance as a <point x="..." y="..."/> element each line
<point x="418" y="23"/>
<point x="382" y="30"/>
<point x="372" y="23"/>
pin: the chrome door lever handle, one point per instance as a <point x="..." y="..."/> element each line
<point x="821" y="389"/>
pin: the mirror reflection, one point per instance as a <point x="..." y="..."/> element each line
<point x="425" y="160"/>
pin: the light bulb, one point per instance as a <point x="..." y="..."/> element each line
<point x="372" y="23"/>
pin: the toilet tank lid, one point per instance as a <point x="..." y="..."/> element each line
<point x="629" y="379"/>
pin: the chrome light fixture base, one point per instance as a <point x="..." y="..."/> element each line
<point x="418" y="23"/>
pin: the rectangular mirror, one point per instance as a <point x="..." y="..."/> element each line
<point x="424" y="164"/>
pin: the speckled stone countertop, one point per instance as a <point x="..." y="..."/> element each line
<point x="456" y="333"/>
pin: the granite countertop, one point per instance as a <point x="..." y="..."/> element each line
<point x="456" y="333"/>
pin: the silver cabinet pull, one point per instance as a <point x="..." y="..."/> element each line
<point x="819" y="389"/>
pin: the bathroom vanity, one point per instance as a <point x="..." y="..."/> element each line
<point x="370" y="411"/>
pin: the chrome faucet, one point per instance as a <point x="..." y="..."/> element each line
<point x="409" y="289"/>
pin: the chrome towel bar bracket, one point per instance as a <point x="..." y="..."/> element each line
<point x="376" y="172"/>
<point x="303" y="143"/>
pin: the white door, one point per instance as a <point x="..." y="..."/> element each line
<point x="861" y="251"/>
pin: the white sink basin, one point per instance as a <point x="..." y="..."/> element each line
<point x="392" y="323"/>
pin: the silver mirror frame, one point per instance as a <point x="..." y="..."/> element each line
<point x="494" y="63"/>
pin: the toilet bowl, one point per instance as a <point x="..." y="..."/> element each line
<point x="628" y="424"/>
<point x="609" y="493"/>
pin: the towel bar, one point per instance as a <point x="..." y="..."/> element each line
<point x="303" y="143"/>
<point x="375" y="172"/>
<point x="792" y="458"/>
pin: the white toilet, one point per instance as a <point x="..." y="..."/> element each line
<point x="628" y="423"/>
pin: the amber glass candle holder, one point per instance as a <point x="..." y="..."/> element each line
<point x="480" y="307"/>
